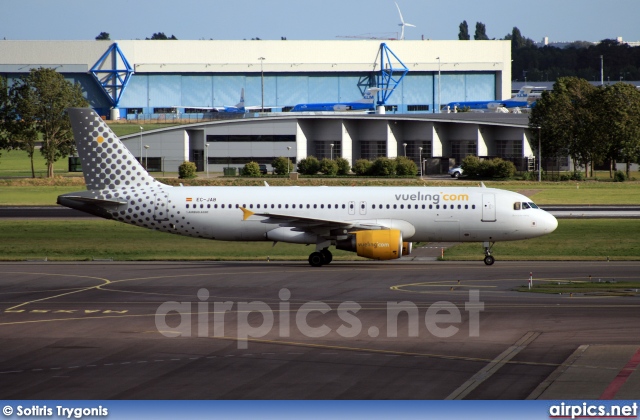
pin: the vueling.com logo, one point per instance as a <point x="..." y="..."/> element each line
<point x="373" y="245"/>
<point x="433" y="198"/>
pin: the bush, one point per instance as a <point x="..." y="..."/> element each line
<point x="282" y="165"/>
<point x="503" y="168"/>
<point x="309" y="166"/>
<point x="251" y="169"/>
<point x="328" y="167"/>
<point x="528" y="176"/>
<point x="473" y="167"/>
<point x="406" y="166"/>
<point x="577" y="176"/>
<point x="187" y="170"/>
<point x="343" y="166"/>
<point x="383" y="166"/>
<point x="619" y="176"/>
<point x="362" y="167"/>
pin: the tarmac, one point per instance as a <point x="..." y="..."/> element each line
<point x="408" y="329"/>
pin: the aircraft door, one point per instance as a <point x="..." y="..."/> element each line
<point x="488" y="207"/>
<point x="352" y="207"/>
<point x="160" y="210"/>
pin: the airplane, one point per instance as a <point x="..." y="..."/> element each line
<point x="364" y="104"/>
<point x="239" y="108"/>
<point x="523" y="99"/>
<point x="379" y="223"/>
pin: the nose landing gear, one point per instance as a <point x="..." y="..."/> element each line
<point x="488" y="259"/>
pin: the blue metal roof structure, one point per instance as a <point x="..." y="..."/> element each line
<point x="389" y="74"/>
<point x="113" y="72"/>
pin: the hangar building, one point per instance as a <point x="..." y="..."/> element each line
<point x="134" y="79"/>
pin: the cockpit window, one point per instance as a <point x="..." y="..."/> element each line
<point x="516" y="206"/>
<point x="525" y="206"/>
<point x="533" y="206"/>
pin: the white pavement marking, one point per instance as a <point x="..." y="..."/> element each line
<point x="486" y="372"/>
<point x="556" y="373"/>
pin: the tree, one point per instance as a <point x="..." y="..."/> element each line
<point x="567" y="120"/>
<point x="328" y="167"/>
<point x="309" y="165"/>
<point x="463" y="35"/>
<point x="481" y="32"/>
<point x="282" y="165"/>
<point x="161" y="36"/>
<point x="5" y="108"/>
<point x="103" y="36"/>
<point x="617" y="123"/>
<point x="343" y="166"/>
<point x="251" y="169"/>
<point x="41" y="99"/>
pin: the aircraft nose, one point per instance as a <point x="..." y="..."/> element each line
<point x="550" y="223"/>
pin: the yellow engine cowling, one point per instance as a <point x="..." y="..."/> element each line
<point x="407" y="247"/>
<point x="374" y="244"/>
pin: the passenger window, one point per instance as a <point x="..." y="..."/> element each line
<point x="208" y="206"/>
<point x="187" y="206"/>
<point x="473" y="206"/>
<point x="350" y="206"/>
<point x="373" y="206"/>
<point x="222" y="206"/>
<point x="315" y="206"/>
<point x="459" y="206"/>
<point x="388" y="206"/>
<point x="516" y="206"/>
<point x="424" y="206"/>
<point x="286" y="206"/>
<point x="437" y="206"/>
<point x="279" y="206"/>
<point x="466" y="206"/>
<point x="321" y="206"/>
<point x="430" y="206"/>
<point x="395" y="206"/>
<point x="250" y="206"/>
<point x="308" y="206"/>
<point x="444" y="207"/>
<point x="201" y="206"/>
<point x="344" y="207"/>
<point x="328" y="206"/>
<point x="272" y="206"/>
<point x="293" y="206"/>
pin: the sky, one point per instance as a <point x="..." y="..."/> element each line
<point x="560" y="20"/>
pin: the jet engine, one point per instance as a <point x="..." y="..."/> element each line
<point x="374" y="244"/>
<point x="407" y="247"/>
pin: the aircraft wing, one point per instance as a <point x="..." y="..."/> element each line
<point x="312" y="223"/>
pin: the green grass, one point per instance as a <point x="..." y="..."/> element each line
<point x="16" y="163"/>
<point x="76" y="240"/>
<point x="123" y="129"/>
<point x="103" y="239"/>
<point x="592" y="239"/>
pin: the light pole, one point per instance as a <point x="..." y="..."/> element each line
<point x="288" y="151"/>
<point x="439" y="105"/>
<point x="539" y="154"/>
<point x="146" y="160"/>
<point x="206" y="158"/>
<point x="420" y="148"/>
<point x="141" y="143"/>
<point x="261" y="84"/>
<point x="405" y="149"/>
<point x="331" y="151"/>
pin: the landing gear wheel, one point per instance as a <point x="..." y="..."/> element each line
<point x="489" y="260"/>
<point x="326" y="254"/>
<point x="316" y="259"/>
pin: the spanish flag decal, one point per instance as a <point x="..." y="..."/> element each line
<point x="189" y="199"/>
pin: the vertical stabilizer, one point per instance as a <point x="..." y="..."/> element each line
<point x="106" y="162"/>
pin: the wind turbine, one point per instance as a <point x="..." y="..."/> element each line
<point x="402" y="23"/>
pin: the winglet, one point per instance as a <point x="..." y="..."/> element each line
<point x="247" y="213"/>
<point x="266" y="184"/>
<point x="482" y="185"/>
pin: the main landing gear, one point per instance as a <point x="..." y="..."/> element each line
<point x="320" y="258"/>
<point x="488" y="259"/>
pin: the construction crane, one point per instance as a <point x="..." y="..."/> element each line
<point x="384" y="36"/>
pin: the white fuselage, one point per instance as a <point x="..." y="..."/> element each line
<point x="421" y="213"/>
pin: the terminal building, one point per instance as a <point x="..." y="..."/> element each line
<point x="135" y="80"/>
